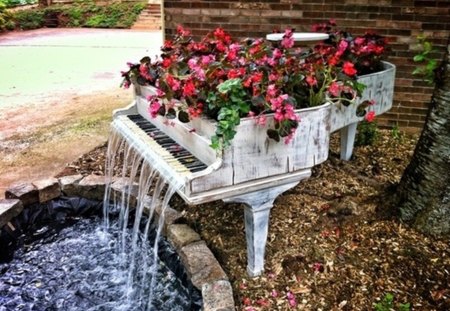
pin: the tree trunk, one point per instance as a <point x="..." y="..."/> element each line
<point x="424" y="190"/>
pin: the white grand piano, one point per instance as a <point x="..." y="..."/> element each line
<point x="254" y="170"/>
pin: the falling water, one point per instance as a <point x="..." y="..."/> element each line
<point x="104" y="264"/>
<point x="141" y="175"/>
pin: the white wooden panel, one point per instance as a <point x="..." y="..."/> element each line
<point x="379" y="87"/>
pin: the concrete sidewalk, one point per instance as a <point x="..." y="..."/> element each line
<point x="46" y="63"/>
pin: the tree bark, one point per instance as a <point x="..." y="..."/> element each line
<point x="424" y="190"/>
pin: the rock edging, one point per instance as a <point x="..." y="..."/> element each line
<point x="201" y="266"/>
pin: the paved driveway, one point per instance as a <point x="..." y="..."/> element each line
<point x="43" y="63"/>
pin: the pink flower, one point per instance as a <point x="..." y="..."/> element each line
<point x="207" y="59"/>
<point x="334" y="89"/>
<point x="277" y="53"/>
<point x="154" y="107"/>
<point x="359" y="40"/>
<point x="182" y="32"/>
<point x="317" y="267"/>
<point x="261" y="120"/>
<point x="342" y="47"/>
<point x="370" y="116"/>
<point x="311" y="80"/>
<point x="291" y="299"/>
<point x="173" y="83"/>
<point x="288" y="40"/>
<point x="274" y="293"/>
<point x="272" y="90"/>
<point x="289" y="138"/>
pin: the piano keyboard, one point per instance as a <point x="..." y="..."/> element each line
<point x="177" y="152"/>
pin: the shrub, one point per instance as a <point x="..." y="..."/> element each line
<point x="29" y="19"/>
<point x="367" y="133"/>
<point x="81" y="14"/>
<point x="5" y="17"/>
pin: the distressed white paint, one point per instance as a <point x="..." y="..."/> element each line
<point x="380" y="89"/>
<point x="257" y="211"/>
<point x="252" y="155"/>
<point x="254" y="170"/>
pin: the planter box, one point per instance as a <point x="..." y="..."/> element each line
<point x="252" y="155"/>
<point x="380" y="89"/>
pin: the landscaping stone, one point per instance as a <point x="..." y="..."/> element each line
<point x="180" y="235"/>
<point x="48" y="189"/>
<point x="9" y="208"/>
<point x="69" y="184"/>
<point x="218" y="296"/>
<point x="171" y="215"/>
<point x="26" y="192"/>
<point x="121" y="185"/>
<point x="201" y="265"/>
<point x="92" y="187"/>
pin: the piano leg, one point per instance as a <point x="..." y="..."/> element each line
<point x="257" y="212"/>
<point x="347" y="134"/>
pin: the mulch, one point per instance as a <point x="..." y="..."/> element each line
<point x="334" y="240"/>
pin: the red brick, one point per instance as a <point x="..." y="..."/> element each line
<point x="401" y="21"/>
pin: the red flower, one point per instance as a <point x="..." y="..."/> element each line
<point x="166" y="62"/>
<point x="370" y="116"/>
<point x="349" y="69"/>
<point x="182" y="32"/>
<point x="189" y="88"/>
<point x="236" y="73"/>
<point x="311" y="80"/>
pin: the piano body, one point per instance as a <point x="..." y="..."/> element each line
<point x="254" y="170"/>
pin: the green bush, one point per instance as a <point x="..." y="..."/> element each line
<point x="367" y="133"/>
<point x="29" y="19"/>
<point x="14" y="3"/>
<point x="81" y="14"/>
<point x="5" y="17"/>
<point x="387" y="304"/>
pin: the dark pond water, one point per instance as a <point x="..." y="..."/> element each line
<point x="79" y="267"/>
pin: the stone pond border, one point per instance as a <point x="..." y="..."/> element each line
<point x="201" y="266"/>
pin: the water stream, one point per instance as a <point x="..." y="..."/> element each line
<point x="104" y="263"/>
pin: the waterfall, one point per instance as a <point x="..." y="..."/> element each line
<point x="139" y="175"/>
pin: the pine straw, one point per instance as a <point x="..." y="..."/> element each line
<point x="334" y="242"/>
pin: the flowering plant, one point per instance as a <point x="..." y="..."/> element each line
<point x="365" y="52"/>
<point x="226" y="80"/>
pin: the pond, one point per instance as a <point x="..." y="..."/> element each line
<point x="66" y="260"/>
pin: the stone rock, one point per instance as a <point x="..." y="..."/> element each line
<point x="69" y="184"/>
<point x="48" y="189"/>
<point x="9" y="208"/>
<point x="344" y="208"/>
<point x="201" y="265"/>
<point x="170" y="215"/>
<point x="122" y="186"/>
<point x="180" y="235"/>
<point x="92" y="187"/>
<point x="25" y="192"/>
<point x="218" y="296"/>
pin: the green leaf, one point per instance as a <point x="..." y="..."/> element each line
<point x="145" y="60"/>
<point x="404" y="307"/>
<point x="273" y="134"/>
<point x="183" y="116"/>
<point x="419" y="58"/>
<point x="215" y="142"/>
<point x="171" y="114"/>
<point x="162" y="110"/>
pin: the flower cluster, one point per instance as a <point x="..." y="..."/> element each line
<point x="360" y="55"/>
<point x="226" y="80"/>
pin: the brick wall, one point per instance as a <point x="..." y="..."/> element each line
<point x="399" y="20"/>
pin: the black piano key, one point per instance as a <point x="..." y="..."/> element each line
<point x="178" y="152"/>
